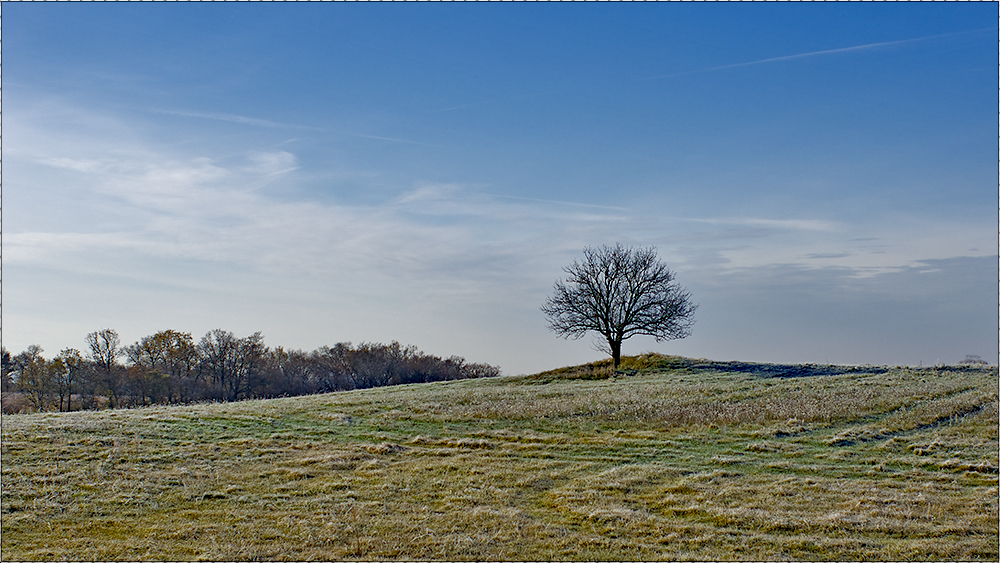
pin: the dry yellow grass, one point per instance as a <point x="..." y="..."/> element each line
<point x="675" y="462"/>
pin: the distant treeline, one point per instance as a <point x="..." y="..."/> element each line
<point x="169" y="367"/>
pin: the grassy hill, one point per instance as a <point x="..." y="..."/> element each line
<point x="680" y="459"/>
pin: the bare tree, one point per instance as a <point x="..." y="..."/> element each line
<point x="105" y="348"/>
<point x="169" y="360"/>
<point x="34" y="378"/>
<point x="232" y="362"/>
<point x="8" y="366"/>
<point x="619" y="292"/>
<point x="68" y="368"/>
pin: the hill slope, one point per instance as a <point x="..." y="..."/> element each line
<point x="681" y="459"/>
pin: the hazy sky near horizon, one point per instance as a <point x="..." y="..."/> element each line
<point x="821" y="176"/>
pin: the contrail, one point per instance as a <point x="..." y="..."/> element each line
<point x="817" y="53"/>
<point x="865" y="47"/>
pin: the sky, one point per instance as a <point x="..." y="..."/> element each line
<point x="822" y="177"/>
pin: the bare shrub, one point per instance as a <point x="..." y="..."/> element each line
<point x="14" y="403"/>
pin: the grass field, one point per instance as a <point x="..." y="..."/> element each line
<point x="680" y="459"/>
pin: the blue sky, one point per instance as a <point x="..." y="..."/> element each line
<point x="821" y="176"/>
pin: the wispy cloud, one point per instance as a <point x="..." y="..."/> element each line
<point x="559" y="202"/>
<point x="495" y="101"/>
<point x="273" y="163"/>
<point x="784" y="224"/>
<point x="826" y="255"/>
<point x="203" y="206"/>
<point x="461" y="106"/>
<point x="393" y="139"/>
<point x="232" y="118"/>
<point x="174" y="208"/>
<point x="431" y="192"/>
<point x="503" y="217"/>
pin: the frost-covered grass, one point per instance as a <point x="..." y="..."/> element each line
<point x="683" y="459"/>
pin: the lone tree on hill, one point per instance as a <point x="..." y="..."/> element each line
<point x="619" y="292"/>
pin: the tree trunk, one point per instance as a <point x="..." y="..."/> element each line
<point x="616" y="352"/>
